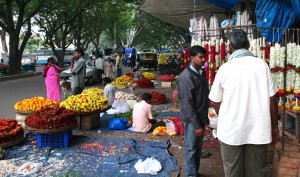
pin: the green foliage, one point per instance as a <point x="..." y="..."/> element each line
<point x="128" y="115"/>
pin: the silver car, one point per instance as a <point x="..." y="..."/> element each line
<point x="91" y="74"/>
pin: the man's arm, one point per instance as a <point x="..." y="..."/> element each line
<point x="216" y="106"/>
<point x="274" y="119"/>
<point x="72" y="64"/>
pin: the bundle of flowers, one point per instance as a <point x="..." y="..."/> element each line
<point x="145" y="83"/>
<point x="130" y="75"/>
<point x="89" y="100"/>
<point x="10" y="130"/>
<point x="122" y="81"/>
<point x="34" y="104"/>
<point x="160" y="131"/>
<point x="149" y="75"/>
<point x="158" y="98"/>
<point x="51" y="118"/>
<point x="166" y="78"/>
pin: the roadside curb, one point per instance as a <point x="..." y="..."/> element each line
<point x="19" y="76"/>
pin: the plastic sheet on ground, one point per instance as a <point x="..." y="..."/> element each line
<point x="89" y="157"/>
<point x="163" y="111"/>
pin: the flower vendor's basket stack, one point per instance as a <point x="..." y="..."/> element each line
<point x="88" y="106"/>
<point x="11" y="133"/>
<point x="27" y="106"/>
<point x="53" y="126"/>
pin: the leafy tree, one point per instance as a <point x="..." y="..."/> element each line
<point x="59" y="20"/>
<point x="14" y="16"/>
<point x="157" y="34"/>
<point x="32" y="44"/>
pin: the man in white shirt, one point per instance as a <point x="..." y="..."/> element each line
<point x="99" y="64"/>
<point x="109" y="90"/>
<point x="243" y="95"/>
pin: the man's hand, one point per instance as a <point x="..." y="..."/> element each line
<point x="275" y="136"/>
<point x="199" y="132"/>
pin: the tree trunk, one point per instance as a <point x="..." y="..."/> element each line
<point x="3" y="40"/>
<point x="14" y="55"/>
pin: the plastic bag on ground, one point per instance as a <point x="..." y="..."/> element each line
<point x="121" y="105"/>
<point x="112" y="111"/>
<point x="29" y="168"/>
<point x="118" y="124"/>
<point x="150" y="165"/>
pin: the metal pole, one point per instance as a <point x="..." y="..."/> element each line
<point x="284" y="88"/>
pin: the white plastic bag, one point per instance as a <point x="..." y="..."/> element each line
<point x="112" y="111"/>
<point x="121" y="106"/>
<point x="29" y="168"/>
<point x="150" y="165"/>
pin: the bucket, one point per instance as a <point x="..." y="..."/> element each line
<point x="21" y="116"/>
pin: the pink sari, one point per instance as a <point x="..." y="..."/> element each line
<point x="52" y="83"/>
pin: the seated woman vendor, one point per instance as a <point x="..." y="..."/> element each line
<point x="142" y="120"/>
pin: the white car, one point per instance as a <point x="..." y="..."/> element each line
<point x="91" y="74"/>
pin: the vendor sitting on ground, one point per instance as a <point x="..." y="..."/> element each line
<point x="109" y="90"/>
<point x="142" y="120"/>
<point x="137" y="75"/>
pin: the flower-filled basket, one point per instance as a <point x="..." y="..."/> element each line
<point x="11" y="133"/>
<point x="51" y="120"/>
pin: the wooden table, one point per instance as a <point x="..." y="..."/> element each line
<point x="296" y="116"/>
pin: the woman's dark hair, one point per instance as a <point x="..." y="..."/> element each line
<point x="197" y="49"/>
<point x="238" y="39"/>
<point x="146" y="97"/>
<point x="80" y="51"/>
<point x="50" y="59"/>
<point x="107" y="79"/>
<point x="134" y="70"/>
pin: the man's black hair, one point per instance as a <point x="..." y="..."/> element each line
<point x="238" y="39"/>
<point x="146" y="97"/>
<point x="134" y="70"/>
<point x="107" y="79"/>
<point x="79" y="50"/>
<point x="197" y="49"/>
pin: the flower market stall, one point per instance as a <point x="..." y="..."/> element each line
<point x="88" y="106"/>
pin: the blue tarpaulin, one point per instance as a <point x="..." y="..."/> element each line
<point x="92" y="157"/>
<point x="276" y="14"/>
<point x="224" y="4"/>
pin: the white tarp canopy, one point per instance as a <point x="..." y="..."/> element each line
<point x="179" y="12"/>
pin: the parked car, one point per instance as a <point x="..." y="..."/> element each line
<point x="91" y="74"/>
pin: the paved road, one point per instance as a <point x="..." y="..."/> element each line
<point x="17" y="90"/>
<point x="12" y="91"/>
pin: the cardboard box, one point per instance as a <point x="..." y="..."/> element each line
<point x="166" y="84"/>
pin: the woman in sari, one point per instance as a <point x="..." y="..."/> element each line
<point x="51" y="74"/>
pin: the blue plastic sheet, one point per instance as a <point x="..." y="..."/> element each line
<point x="276" y="14"/>
<point x="93" y="157"/>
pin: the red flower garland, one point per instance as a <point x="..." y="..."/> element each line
<point x="145" y="83"/>
<point x="10" y="130"/>
<point x="166" y="78"/>
<point x="158" y="98"/>
<point x="51" y="118"/>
